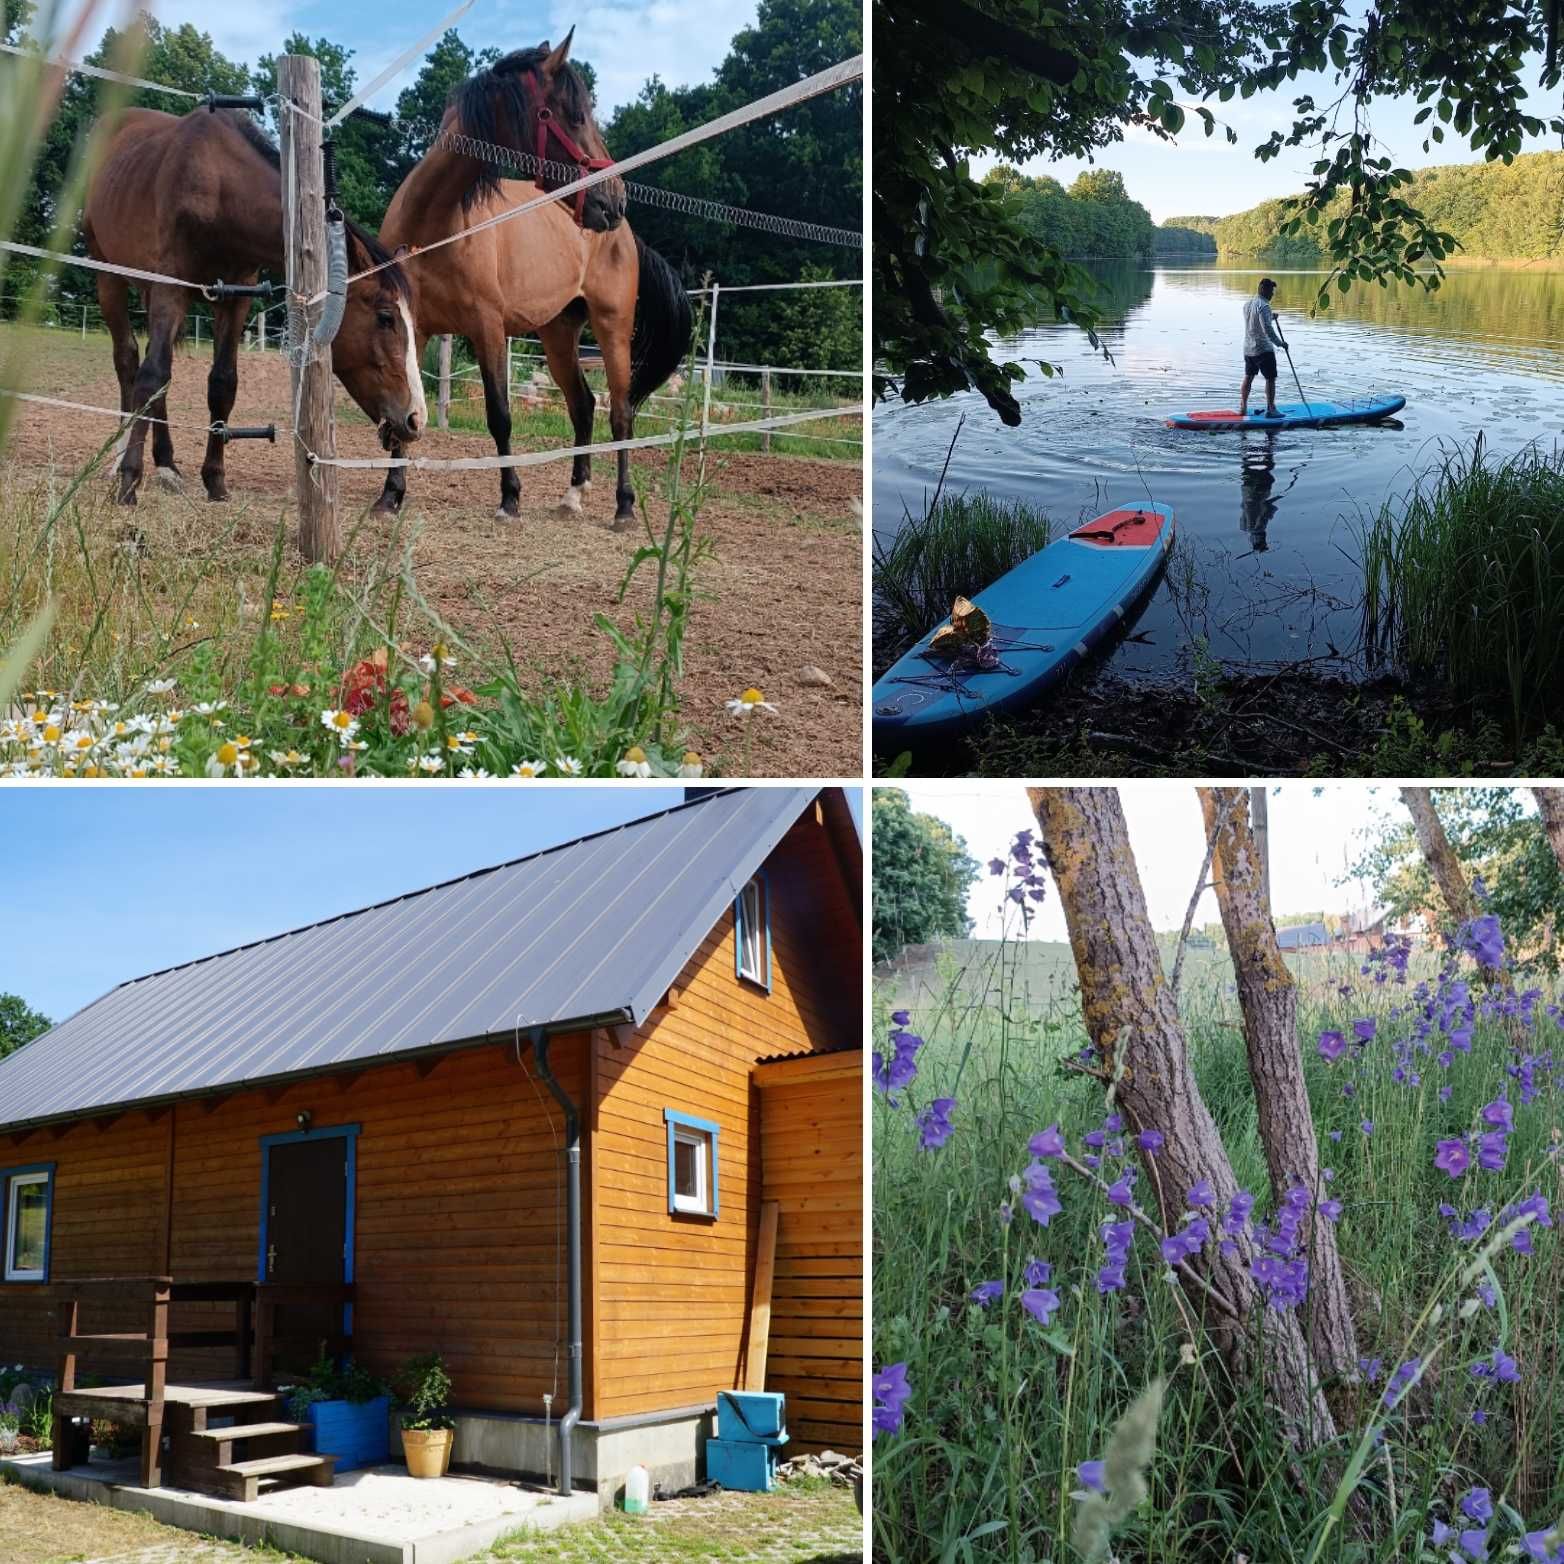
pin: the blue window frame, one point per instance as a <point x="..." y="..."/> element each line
<point x="692" y="1164"/>
<point x="350" y="1133"/>
<point x="26" y="1222"/>
<point x="752" y="933"/>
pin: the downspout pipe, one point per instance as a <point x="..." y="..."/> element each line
<point x="567" y="1424"/>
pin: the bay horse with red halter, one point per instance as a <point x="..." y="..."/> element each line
<point x="200" y="197"/>
<point x="550" y="271"/>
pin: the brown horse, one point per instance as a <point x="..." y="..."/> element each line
<point x="551" y="271"/>
<point x="200" y="197"/>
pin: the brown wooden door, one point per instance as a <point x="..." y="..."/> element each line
<point x="306" y="1239"/>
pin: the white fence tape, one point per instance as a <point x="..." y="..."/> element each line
<point x="811" y="87"/>
<point x="691" y="433"/>
<point x="94" y="70"/>
<point x="399" y="64"/>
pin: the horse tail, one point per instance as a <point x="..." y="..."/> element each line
<point x="662" y="324"/>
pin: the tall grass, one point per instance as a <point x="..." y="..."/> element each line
<point x="1465" y="580"/>
<point x="1003" y="1410"/>
<point x="961" y="544"/>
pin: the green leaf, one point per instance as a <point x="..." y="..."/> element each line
<point x="1172" y="118"/>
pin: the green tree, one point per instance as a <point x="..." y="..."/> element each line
<point x="922" y="874"/>
<point x="952" y="262"/>
<point x="19" y="1023"/>
<point x="1499" y="839"/>
<point x="420" y="106"/>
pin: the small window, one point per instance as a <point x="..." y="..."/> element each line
<point x="752" y="931"/>
<point x="28" y="1198"/>
<point x="692" y="1164"/>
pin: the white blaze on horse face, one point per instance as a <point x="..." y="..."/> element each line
<point x="415" y="379"/>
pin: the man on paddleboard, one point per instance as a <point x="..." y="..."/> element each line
<point x="1262" y="336"/>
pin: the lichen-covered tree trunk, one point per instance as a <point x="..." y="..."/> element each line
<point x="1269" y="1000"/>
<point x="1444" y="865"/>
<point x="1550" y="805"/>
<point x="1132" y="1019"/>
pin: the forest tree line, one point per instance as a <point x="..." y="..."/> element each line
<point x="1498" y="212"/>
<point x="1094" y="218"/>
<point x="806" y="163"/>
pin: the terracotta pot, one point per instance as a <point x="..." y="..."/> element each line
<point x="427" y="1450"/>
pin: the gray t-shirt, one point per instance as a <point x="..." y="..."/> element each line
<point x="1261" y="333"/>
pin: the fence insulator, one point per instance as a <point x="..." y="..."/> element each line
<point x="227" y="432"/>
<point x="233" y="100"/>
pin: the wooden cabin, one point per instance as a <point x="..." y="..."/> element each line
<point x="529" y="1119"/>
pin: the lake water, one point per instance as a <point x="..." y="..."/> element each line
<point x="1265" y="568"/>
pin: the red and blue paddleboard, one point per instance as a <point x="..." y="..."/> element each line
<point x="1045" y="616"/>
<point x="1296" y="415"/>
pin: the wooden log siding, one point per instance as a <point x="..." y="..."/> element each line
<point x="674" y="1289"/>
<point x="458" y="1201"/>
<point x="812" y="1166"/>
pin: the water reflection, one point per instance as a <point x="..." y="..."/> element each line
<point x="1485" y="354"/>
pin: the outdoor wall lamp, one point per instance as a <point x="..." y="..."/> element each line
<point x="304" y="1121"/>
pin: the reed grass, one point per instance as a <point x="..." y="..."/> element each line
<point x="961" y="544"/>
<point x="1464" y="580"/>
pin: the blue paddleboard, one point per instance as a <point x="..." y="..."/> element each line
<point x="1296" y="415"/>
<point x="1045" y="616"/>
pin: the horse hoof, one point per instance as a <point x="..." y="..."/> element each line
<point x="623" y="523"/>
<point x="217" y="496"/>
<point x="570" y="503"/>
<point x="170" y="479"/>
<point x="127" y="497"/>
<point x="386" y="505"/>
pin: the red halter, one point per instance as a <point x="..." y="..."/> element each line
<point x="547" y="126"/>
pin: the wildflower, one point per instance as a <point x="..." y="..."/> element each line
<point x="431" y="763"/>
<point x="1038" y="1273"/>
<point x="1149" y="1141"/>
<point x="1047" y="1143"/>
<point x="1479" y="1417"/>
<point x="635" y="763"/>
<point x="1122" y="1191"/>
<point x="1332" y="1046"/>
<point x="1453" y="1157"/>
<point x="1092" y="1476"/>
<point x="341" y="723"/>
<point x="567" y="765"/>
<point x="1371" y="1369"/>
<point x="1492" y="1149"/>
<point x="891" y="1395"/>
<point x="438" y="656"/>
<point x="1400" y="1381"/>
<point x="160" y="686"/>
<point x="1041" y="1199"/>
<point x="934" y="1123"/>
<point x="422" y="716"/>
<point x="750" y="702"/>
<point x="986" y="1292"/>
<point x="691" y="765"/>
<point x="1367" y="1126"/>
<point x="1040" y="1303"/>
<point x="1477" y="1505"/>
<point x="1202" y="1194"/>
<point x="1484" y="939"/>
<point x="1499" y="1114"/>
<point x="1546" y="1546"/>
<point x="285" y="759"/>
<point x="527" y="768"/>
<point x="1364" y="1029"/>
<point x="1331" y="1209"/>
<point x="279" y="611"/>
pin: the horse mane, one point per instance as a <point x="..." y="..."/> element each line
<point x="362" y="237"/>
<point x="491" y="106"/>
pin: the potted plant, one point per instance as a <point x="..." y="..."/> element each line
<point x="428" y="1430"/>
<point x="349" y="1410"/>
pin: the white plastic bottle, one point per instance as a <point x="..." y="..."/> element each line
<point x="638" y="1490"/>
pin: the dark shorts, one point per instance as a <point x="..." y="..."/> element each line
<point x="1260" y="364"/>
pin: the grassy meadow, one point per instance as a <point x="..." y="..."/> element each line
<point x="1003" y="1409"/>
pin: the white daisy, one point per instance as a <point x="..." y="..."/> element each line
<point x="750" y="702"/>
<point x="635" y="763"/>
<point x="342" y="723"/>
<point x="567" y="765"/>
<point x="527" y="768"/>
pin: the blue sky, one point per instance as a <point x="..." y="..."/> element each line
<point x="108" y="883"/>
<point x="627" y="41"/>
<point x="1201" y="176"/>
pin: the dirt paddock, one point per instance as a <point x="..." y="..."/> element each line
<point x="781" y="590"/>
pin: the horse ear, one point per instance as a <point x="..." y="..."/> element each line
<point x="400" y="251"/>
<point x="557" y="57"/>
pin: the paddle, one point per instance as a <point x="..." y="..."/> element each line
<point x="1296" y="381"/>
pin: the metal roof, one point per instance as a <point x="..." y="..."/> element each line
<point x="1300" y="935"/>
<point x="588" y="933"/>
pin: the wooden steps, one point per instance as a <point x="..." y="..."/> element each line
<point x="242" y="1480"/>
<point x="248" y="1431"/>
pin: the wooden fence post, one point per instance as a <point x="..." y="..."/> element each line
<point x="304" y="236"/>
<point x="765" y="406"/>
<point x="443" y="406"/>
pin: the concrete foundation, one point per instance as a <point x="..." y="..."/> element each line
<point x="376" y="1516"/>
<point x="670" y="1445"/>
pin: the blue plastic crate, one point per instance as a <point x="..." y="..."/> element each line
<point x="356" y="1432"/>
<point x="741" y="1465"/>
<point x="751" y="1415"/>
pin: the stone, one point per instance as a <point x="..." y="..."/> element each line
<point x="815" y="678"/>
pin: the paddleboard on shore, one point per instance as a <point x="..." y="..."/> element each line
<point x="1296" y="415"/>
<point x="1045" y="616"/>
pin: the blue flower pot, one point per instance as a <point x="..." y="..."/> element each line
<point x="358" y="1433"/>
